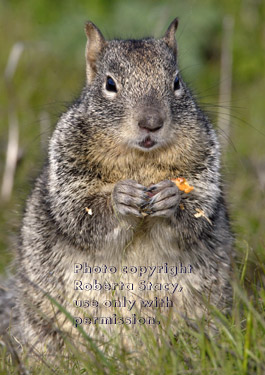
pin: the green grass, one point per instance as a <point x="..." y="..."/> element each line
<point x="237" y="348"/>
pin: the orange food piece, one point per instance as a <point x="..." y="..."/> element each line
<point x="182" y="184"/>
<point x="200" y="213"/>
<point x="88" y="210"/>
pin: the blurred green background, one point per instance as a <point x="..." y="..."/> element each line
<point x="46" y="39"/>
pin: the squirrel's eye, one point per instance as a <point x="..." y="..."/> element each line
<point x="176" y="83"/>
<point x="110" y="85"/>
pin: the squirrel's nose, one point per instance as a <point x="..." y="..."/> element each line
<point x="151" y="121"/>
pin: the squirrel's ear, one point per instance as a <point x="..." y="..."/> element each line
<point x="169" y="36"/>
<point x="95" y="44"/>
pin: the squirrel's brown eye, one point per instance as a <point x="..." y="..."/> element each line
<point x="110" y="85"/>
<point x="176" y="83"/>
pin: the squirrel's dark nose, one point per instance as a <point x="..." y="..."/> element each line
<point x="151" y="121"/>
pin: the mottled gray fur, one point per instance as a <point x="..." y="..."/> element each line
<point x="135" y="127"/>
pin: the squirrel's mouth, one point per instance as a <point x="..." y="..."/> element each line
<point x="147" y="142"/>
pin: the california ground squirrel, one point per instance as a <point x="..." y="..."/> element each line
<point x="105" y="199"/>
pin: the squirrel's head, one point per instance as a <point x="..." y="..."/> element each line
<point x="135" y="89"/>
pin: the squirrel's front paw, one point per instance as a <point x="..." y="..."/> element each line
<point x="128" y="197"/>
<point x="165" y="199"/>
